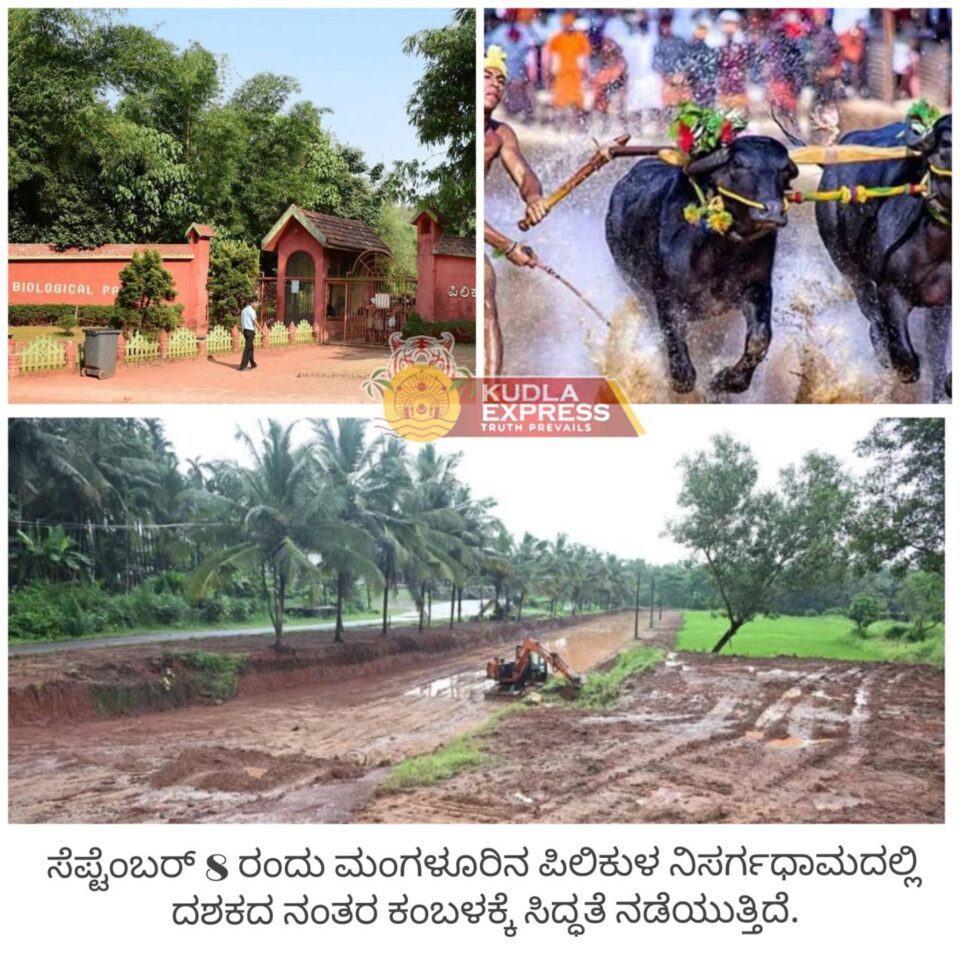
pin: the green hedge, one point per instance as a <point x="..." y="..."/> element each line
<point x="51" y="314"/>
<point x="54" y="611"/>
<point x="463" y="330"/>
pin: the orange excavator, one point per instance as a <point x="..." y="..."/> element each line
<point x="531" y="666"/>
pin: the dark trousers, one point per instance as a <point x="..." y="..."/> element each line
<point x="247" y="358"/>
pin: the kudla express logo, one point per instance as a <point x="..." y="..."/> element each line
<point x="545" y="407"/>
<point x="426" y="396"/>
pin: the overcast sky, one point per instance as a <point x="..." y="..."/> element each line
<point x="609" y="494"/>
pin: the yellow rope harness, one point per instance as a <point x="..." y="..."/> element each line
<point x="858" y="194"/>
<point x="756" y="204"/>
<point x="711" y="212"/>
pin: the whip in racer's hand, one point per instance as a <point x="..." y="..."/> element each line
<point x="522" y="256"/>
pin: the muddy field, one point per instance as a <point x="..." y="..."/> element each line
<point x="715" y="739"/>
<point x="820" y="350"/>
<point x="700" y="738"/>
<point x="305" y="744"/>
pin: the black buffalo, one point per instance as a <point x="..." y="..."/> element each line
<point x="895" y="252"/>
<point x="689" y="272"/>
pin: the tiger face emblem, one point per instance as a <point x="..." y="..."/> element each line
<point x="422" y="351"/>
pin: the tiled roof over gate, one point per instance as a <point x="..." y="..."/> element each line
<point x="345" y="234"/>
<point x="338" y="233"/>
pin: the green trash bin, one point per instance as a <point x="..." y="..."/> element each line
<point x="100" y="353"/>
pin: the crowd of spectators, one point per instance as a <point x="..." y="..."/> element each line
<point x="565" y="64"/>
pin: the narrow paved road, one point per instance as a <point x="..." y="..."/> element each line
<point x="441" y="611"/>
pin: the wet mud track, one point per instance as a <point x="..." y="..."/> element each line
<point x="714" y="739"/>
<point x="311" y="753"/>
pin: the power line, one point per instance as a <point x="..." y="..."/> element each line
<point x="74" y="525"/>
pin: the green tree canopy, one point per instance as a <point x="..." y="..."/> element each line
<point x="442" y="108"/>
<point x="922" y="600"/>
<point x="865" y="608"/>
<point x="232" y="279"/>
<point x="757" y="543"/>
<point x="145" y="294"/>
<point x="901" y="516"/>
<point x="116" y="136"/>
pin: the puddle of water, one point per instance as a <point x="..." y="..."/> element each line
<point x="787" y="742"/>
<point x="655" y="719"/>
<point x="794" y="742"/>
<point x="580" y="653"/>
<point x="837" y="803"/>
<point x="457" y="686"/>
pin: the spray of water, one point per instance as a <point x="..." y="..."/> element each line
<point x="820" y="352"/>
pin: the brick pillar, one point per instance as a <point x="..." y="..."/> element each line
<point x="13" y="358"/>
<point x="70" y="355"/>
<point x="428" y="232"/>
<point x="235" y="339"/>
<point x="291" y="333"/>
<point x="196" y="297"/>
<point x="121" y="350"/>
<point x="265" y="338"/>
<point x="317" y="332"/>
<point x="201" y="348"/>
<point x="164" y="344"/>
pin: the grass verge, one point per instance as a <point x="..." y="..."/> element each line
<point x="203" y="629"/>
<point x="29" y="334"/>
<point x="213" y="674"/>
<point x="463" y="752"/>
<point x="466" y="751"/>
<point x="827" y="637"/>
<point x="599" y="690"/>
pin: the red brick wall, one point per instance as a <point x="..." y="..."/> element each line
<point x="446" y="286"/>
<point x="93" y="276"/>
<point x="455" y="275"/>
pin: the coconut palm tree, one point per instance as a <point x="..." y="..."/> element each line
<point x="356" y="495"/>
<point x="527" y="564"/>
<point x="437" y="518"/>
<point x="286" y="513"/>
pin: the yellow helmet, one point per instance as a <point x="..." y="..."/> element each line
<point x="496" y="59"/>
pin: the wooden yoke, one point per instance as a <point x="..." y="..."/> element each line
<point x="841" y="153"/>
<point x="821" y="155"/>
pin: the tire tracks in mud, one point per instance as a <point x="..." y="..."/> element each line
<point x="706" y="738"/>
<point x="312" y="753"/>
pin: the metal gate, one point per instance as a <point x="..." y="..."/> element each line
<point x="268" y="300"/>
<point x="370" y="303"/>
<point x="366" y="306"/>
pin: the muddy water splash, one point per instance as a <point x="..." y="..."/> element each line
<point x="820" y="352"/>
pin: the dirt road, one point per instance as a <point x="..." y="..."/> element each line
<point x="700" y="738"/>
<point x="309" y="754"/>
<point x="329" y="374"/>
<point x="710" y="739"/>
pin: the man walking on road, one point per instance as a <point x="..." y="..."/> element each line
<point x="248" y="327"/>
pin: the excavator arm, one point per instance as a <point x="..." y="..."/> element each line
<point x="515" y="674"/>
